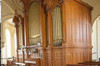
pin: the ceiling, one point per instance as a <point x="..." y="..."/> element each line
<point x="8" y="9"/>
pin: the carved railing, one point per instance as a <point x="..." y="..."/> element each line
<point x="33" y="51"/>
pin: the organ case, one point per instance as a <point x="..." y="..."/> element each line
<point x="64" y="31"/>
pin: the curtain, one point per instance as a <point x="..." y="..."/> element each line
<point x="20" y="36"/>
<point x="34" y="23"/>
<point x="57" y="26"/>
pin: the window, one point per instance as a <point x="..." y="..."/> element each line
<point x="15" y="43"/>
<point x="8" y="42"/>
<point x="96" y="39"/>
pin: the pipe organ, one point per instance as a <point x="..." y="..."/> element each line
<point x="53" y="32"/>
<point x="57" y="26"/>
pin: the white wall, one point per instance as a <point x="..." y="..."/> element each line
<point x="96" y="39"/>
<point x="94" y="44"/>
<point x="4" y="50"/>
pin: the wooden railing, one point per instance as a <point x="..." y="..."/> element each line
<point x="20" y="56"/>
<point x="33" y="51"/>
<point x="34" y="55"/>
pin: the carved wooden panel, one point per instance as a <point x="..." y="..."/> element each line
<point x="74" y="56"/>
<point x="20" y="56"/>
<point x="48" y="57"/>
<point x="57" y="57"/>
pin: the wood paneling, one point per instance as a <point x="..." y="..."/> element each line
<point x="74" y="56"/>
<point x="58" y="57"/>
<point x="76" y="35"/>
<point x="48" y="55"/>
<point x="78" y="25"/>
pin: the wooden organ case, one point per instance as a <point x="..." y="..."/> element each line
<point x="54" y="32"/>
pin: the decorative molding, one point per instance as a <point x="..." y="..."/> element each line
<point x="18" y="19"/>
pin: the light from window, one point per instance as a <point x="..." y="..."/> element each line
<point x="8" y="43"/>
<point x="15" y="43"/>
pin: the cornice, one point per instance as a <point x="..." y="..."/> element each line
<point x="85" y="4"/>
<point x="80" y="2"/>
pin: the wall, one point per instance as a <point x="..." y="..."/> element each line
<point x="96" y="39"/>
<point x="11" y="28"/>
<point x="96" y="8"/>
<point x="99" y="38"/>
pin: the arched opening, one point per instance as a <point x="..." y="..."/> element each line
<point x="9" y="40"/>
<point x="96" y="39"/>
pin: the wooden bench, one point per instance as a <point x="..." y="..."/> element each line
<point x="74" y="65"/>
<point x="86" y="64"/>
<point x="78" y="65"/>
<point x="91" y="63"/>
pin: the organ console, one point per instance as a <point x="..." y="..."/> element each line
<point x="53" y="32"/>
